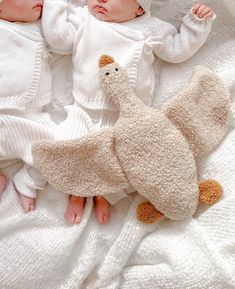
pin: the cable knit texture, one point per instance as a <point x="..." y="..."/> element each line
<point x="41" y="251"/>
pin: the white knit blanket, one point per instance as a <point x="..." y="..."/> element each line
<point x="41" y="251"/>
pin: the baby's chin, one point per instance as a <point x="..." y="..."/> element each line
<point x="36" y="15"/>
<point x="26" y="19"/>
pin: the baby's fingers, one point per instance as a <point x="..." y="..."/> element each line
<point x="196" y="7"/>
<point x="201" y="10"/>
<point x="208" y="15"/>
<point x="205" y="11"/>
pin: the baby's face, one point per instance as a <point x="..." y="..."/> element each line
<point x="20" y="10"/>
<point x="114" y="10"/>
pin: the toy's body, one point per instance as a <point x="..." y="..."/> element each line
<point x="166" y="178"/>
<point x="151" y="150"/>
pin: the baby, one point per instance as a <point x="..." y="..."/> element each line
<point x="125" y="30"/>
<point x="25" y="82"/>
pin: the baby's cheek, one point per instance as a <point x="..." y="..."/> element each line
<point x="123" y="13"/>
<point x="19" y="7"/>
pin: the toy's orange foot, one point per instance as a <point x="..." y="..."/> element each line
<point x="210" y="192"/>
<point x="147" y="213"/>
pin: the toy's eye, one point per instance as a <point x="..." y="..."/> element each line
<point x="107" y="73"/>
<point x="116" y="69"/>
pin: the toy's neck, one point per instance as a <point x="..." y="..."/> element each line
<point x="123" y="96"/>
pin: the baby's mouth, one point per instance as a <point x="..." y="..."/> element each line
<point x="39" y="6"/>
<point x="100" y="9"/>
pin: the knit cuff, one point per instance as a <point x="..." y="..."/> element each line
<point x="27" y="185"/>
<point x="201" y="22"/>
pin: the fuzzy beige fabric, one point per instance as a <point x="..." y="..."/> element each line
<point x="200" y="111"/>
<point x="149" y="149"/>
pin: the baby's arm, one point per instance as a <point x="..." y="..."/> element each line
<point x="59" y="27"/>
<point x="179" y="46"/>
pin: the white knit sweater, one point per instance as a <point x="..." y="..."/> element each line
<point x="26" y="84"/>
<point x="69" y="28"/>
<point x="26" y="76"/>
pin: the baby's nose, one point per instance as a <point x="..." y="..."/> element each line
<point x="102" y="1"/>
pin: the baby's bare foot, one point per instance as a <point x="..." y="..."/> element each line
<point x="102" y="210"/>
<point x="28" y="204"/>
<point x="74" y="211"/>
<point x="3" y="183"/>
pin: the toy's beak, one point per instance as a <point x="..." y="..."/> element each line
<point x="104" y="60"/>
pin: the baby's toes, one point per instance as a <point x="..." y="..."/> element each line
<point x="70" y="217"/>
<point x="78" y="217"/>
<point x="105" y="219"/>
<point x="102" y="210"/>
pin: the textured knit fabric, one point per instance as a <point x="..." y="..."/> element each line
<point x="41" y="251"/>
<point x="25" y="72"/>
<point x="26" y="84"/>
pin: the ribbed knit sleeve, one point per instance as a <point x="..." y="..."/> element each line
<point x="177" y="46"/>
<point x="60" y="24"/>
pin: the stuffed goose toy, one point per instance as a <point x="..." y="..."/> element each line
<point x="151" y="150"/>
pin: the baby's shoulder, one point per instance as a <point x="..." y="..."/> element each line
<point x="155" y="25"/>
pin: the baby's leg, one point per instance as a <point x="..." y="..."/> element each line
<point x="28" y="204"/>
<point x="74" y="210"/>
<point x="102" y="210"/>
<point x="3" y="182"/>
<point x="18" y="134"/>
<point x="27" y="181"/>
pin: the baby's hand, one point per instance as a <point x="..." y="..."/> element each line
<point x="202" y="11"/>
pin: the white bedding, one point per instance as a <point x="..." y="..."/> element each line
<point x="41" y="251"/>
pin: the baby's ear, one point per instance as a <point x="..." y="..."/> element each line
<point x="140" y="11"/>
<point x="201" y="111"/>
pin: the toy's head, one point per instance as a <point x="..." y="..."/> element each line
<point x="20" y="10"/>
<point x="111" y="72"/>
<point x="114" y="79"/>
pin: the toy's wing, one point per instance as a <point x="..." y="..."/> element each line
<point x="84" y="167"/>
<point x="201" y="111"/>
